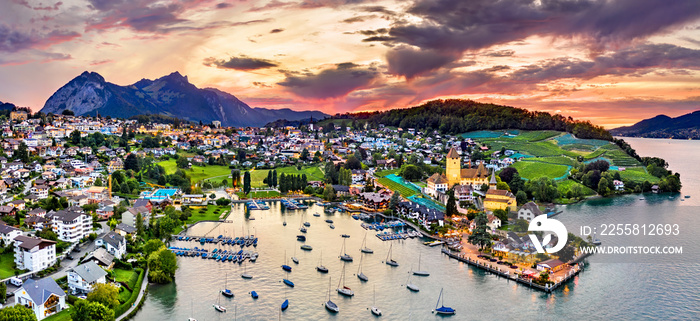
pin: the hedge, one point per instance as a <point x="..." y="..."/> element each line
<point x="134" y="294"/>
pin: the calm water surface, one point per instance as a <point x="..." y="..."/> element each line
<point x="662" y="287"/>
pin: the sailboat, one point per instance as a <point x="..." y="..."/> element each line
<point x="285" y="220"/>
<point x="226" y="292"/>
<point x="443" y="309"/>
<point x="301" y="227"/>
<point x="419" y="272"/>
<point x="288" y="282"/>
<point x="330" y="306"/>
<point x="389" y="260"/>
<point x="364" y="248"/>
<point x="218" y="306"/>
<point x="294" y="258"/>
<point x="245" y="274"/>
<point x="375" y="309"/>
<point x="344" y="290"/>
<point x="320" y="266"/>
<point x="344" y="256"/>
<point x="410" y="285"/>
<point x="191" y="311"/>
<point x="285" y="266"/>
<point x="361" y="275"/>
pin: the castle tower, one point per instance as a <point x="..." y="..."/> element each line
<point x="454" y="167"/>
<point x="493" y="183"/>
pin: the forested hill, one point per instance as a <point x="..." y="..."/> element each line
<point x="456" y="116"/>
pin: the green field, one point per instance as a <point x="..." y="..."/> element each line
<point x="533" y="170"/>
<point x="7" y="265"/>
<point x="199" y="173"/>
<point x="394" y="186"/>
<point x="210" y="214"/>
<point x="259" y="194"/>
<point x="313" y="173"/>
<point x="565" y="185"/>
<point x="387" y="172"/>
<point x="637" y="174"/>
<point x="562" y="160"/>
<point x="126" y="276"/>
<point x="537" y="135"/>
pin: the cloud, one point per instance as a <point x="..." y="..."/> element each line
<point x="13" y="40"/>
<point x="310" y="4"/>
<point x="244" y="63"/>
<point x="223" y="5"/>
<point x="330" y="83"/>
<point x="500" y="53"/>
<point x="410" y="62"/>
<point x="357" y="19"/>
<point x="276" y="30"/>
<point x="274" y="4"/>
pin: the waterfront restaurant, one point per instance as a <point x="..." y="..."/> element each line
<point x="551" y="265"/>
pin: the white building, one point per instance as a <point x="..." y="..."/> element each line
<point x="114" y="243"/>
<point x="437" y="183"/>
<point x="529" y="211"/>
<point x="33" y="253"/>
<point x="82" y="277"/>
<point x="619" y="185"/>
<point x="42" y="296"/>
<point x="71" y="226"/>
<point x="41" y="191"/>
<point x="8" y="234"/>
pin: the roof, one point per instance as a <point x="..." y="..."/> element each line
<point x="90" y="271"/>
<point x="6" y="229"/>
<point x="437" y="179"/>
<point x="29" y="243"/>
<point x="126" y="228"/>
<point x="453" y="153"/>
<point x="101" y="255"/>
<point x="478" y="172"/>
<point x="493" y="178"/>
<point x="551" y="263"/>
<point x="500" y="192"/>
<point x="532" y="207"/>
<point x="65" y="216"/>
<point x="113" y="239"/>
<point x="40" y="290"/>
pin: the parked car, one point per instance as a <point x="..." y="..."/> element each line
<point x="69" y="257"/>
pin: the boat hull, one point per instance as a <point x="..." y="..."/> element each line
<point x="330" y="306"/>
<point x="421" y="273"/>
<point x="376" y="311"/>
<point x="322" y="269"/>
<point x="362" y="277"/>
<point x="346" y="258"/>
<point x="366" y="250"/>
<point x="345" y="291"/>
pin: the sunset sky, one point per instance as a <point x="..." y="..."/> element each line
<point x="613" y="62"/>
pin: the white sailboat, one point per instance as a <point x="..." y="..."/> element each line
<point x="364" y="248"/>
<point x="419" y="272"/>
<point x="410" y="285"/>
<point x="245" y="274"/>
<point x="389" y="260"/>
<point x="218" y="306"/>
<point x="294" y="258"/>
<point x="344" y="290"/>
<point x="375" y="310"/>
<point x="191" y="311"/>
<point x="361" y="275"/>
<point x="344" y="256"/>
<point x="330" y="306"/>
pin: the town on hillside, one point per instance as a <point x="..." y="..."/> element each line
<point x="90" y="202"/>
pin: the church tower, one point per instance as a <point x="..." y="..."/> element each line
<point x="493" y="182"/>
<point x="454" y="168"/>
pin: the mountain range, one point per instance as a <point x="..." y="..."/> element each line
<point x="682" y="127"/>
<point x="172" y="95"/>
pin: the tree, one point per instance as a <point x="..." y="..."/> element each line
<point x="502" y="215"/>
<point x="567" y="253"/>
<point x="521" y="197"/>
<point x="506" y="174"/>
<point x="152" y="246"/>
<point x="3" y="292"/>
<point x="394" y="201"/>
<point x="139" y="224"/>
<point x="84" y="310"/>
<point x="246" y="183"/>
<point x="75" y="137"/>
<point x="451" y="207"/>
<point x="603" y="188"/>
<point x="131" y="162"/>
<point x="484" y="188"/>
<point x="17" y="313"/>
<point x="274" y="178"/>
<point x="353" y="163"/>
<point x="502" y="186"/>
<point x="98" y="181"/>
<point x="329" y="193"/>
<point x="480" y="235"/>
<point x="304" y="154"/>
<point x="543" y="189"/>
<point x="411" y="172"/>
<point x="106" y="294"/>
<point x="182" y="162"/>
<point x="162" y="265"/>
<point x="22" y="153"/>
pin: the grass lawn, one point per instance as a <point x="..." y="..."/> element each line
<point x="637" y="174"/>
<point x="562" y="160"/>
<point x="394" y="186"/>
<point x="313" y="173"/>
<point x="387" y="172"/>
<point x="199" y="173"/>
<point x="210" y="214"/>
<point x="533" y="170"/>
<point x="126" y="276"/>
<point x="260" y="194"/>
<point x="566" y="185"/>
<point x="124" y="295"/>
<point x="6" y="265"/>
<point x="61" y="316"/>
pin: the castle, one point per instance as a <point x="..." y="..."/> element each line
<point x="467" y="176"/>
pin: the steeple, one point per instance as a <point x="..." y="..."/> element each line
<point x="493" y="183"/>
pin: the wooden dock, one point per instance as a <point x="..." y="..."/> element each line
<point x="506" y="273"/>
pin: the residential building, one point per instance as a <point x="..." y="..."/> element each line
<point x="44" y="297"/>
<point x="82" y="277"/>
<point x="436" y="183"/>
<point x="8" y="234"/>
<point x="34" y="253"/>
<point x="114" y="243"/>
<point x="71" y="225"/>
<point x="529" y="211"/>
<point x="101" y="257"/>
<point x="40" y="191"/>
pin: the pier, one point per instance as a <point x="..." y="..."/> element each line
<point x="506" y="273"/>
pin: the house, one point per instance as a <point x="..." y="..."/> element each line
<point x="145" y="203"/>
<point x="423" y="214"/>
<point x="464" y="193"/>
<point x="358" y="175"/>
<point x="341" y="190"/>
<point x="105" y="212"/>
<point x="7" y="210"/>
<point x="124" y="229"/>
<point x="375" y="200"/>
<point x="8" y="234"/>
<point x="41" y="191"/>
<point x="71" y="225"/>
<point x="34" y="253"/>
<point x="82" y="277"/>
<point x="44" y="297"/>
<point x="115" y="164"/>
<point x="436" y="183"/>
<point x="551" y="265"/>
<point x="114" y="243"/>
<point x="494" y="222"/>
<point x="129" y="217"/>
<point x="529" y="211"/>
<point x="619" y="185"/>
<point x="18" y="204"/>
<point x="101" y="257"/>
<point x="96" y="194"/>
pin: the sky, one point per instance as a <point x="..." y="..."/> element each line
<point x="612" y="62"/>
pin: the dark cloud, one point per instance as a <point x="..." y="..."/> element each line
<point x="223" y="5"/>
<point x="357" y="19"/>
<point x="330" y="83"/>
<point x="457" y="25"/>
<point x="276" y="30"/>
<point x="310" y="4"/>
<point x="500" y="53"/>
<point x="378" y="39"/>
<point x="53" y="7"/>
<point x="13" y="40"/>
<point x="409" y="62"/>
<point x="377" y="9"/>
<point x="261" y="84"/>
<point x="274" y="4"/>
<point x="240" y="63"/>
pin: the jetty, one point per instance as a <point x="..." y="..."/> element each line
<point x="511" y="274"/>
<point x="256" y="205"/>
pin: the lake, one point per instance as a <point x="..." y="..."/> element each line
<point x="609" y="288"/>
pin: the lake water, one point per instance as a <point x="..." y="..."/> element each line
<point x="657" y="287"/>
